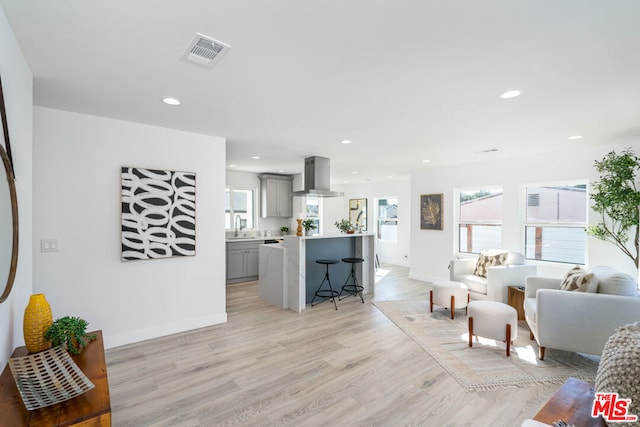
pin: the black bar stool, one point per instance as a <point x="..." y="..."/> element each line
<point x="325" y="294"/>
<point x="353" y="288"/>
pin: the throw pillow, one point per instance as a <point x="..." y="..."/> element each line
<point x="486" y="260"/>
<point x="611" y="281"/>
<point x="515" y="258"/>
<point x="577" y="279"/>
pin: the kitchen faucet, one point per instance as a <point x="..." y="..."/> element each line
<point x="235" y="224"/>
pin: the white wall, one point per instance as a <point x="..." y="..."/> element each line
<point x="77" y="161"/>
<point x="431" y="250"/>
<point x="18" y="94"/>
<point x="334" y="209"/>
<point x="388" y="252"/>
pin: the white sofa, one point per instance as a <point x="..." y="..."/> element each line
<point x="493" y="287"/>
<point x="580" y="321"/>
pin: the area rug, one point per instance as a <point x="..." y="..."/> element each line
<point x="485" y="366"/>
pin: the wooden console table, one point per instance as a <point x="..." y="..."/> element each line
<point x="515" y="298"/>
<point x="572" y="403"/>
<point x="90" y="409"/>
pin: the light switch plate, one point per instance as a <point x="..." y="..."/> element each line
<point x="49" y="245"/>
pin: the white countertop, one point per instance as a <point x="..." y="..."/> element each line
<point x="332" y="235"/>
<point x="278" y="246"/>
<point x="251" y="239"/>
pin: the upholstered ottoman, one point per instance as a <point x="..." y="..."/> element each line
<point x="453" y="295"/>
<point x="494" y="320"/>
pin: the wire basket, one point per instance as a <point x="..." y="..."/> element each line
<point x="48" y="377"/>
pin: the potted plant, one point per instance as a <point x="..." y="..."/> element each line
<point x="345" y="226"/>
<point x="308" y="225"/>
<point x="284" y="230"/>
<point x="70" y="331"/>
<point x="616" y="198"/>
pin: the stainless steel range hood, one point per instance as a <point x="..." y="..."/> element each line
<point x="316" y="178"/>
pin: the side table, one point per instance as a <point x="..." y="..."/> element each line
<point x="92" y="408"/>
<point x="571" y="403"/>
<point x="515" y="298"/>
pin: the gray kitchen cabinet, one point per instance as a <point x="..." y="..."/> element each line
<point x="275" y="196"/>
<point x="242" y="260"/>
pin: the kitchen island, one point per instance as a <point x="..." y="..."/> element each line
<point x="303" y="274"/>
<point x="273" y="275"/>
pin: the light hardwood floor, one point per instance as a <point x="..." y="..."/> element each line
<point x="271" y="367"/>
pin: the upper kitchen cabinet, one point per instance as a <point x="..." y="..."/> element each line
<point x="275" y="196"/>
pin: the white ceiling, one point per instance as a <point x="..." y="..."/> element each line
<point x="404" y="80"/>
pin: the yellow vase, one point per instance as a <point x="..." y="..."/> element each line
<point x="37" y="319"/>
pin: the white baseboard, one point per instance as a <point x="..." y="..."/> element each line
<point x="425" y="277"/>
<point x="131" y="337"/>
<point x="400" y="262"/>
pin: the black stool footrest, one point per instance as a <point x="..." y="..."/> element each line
<point x="327" y="293"/>
<point x="354" y="289"/>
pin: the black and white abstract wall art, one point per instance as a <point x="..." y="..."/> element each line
<point x="158" y="213"/>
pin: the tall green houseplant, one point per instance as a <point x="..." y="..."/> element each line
<point x="616" y="197"/>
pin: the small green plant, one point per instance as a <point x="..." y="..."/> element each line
<point x="308" y="224"/>
<point x="344" y="225"/>
<point x="70" y="331"/>
<point x="284" y="229"/>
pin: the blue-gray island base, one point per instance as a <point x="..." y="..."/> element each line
<point x="304" y="274"/>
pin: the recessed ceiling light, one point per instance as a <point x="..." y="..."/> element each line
<point x="255" y="157"/>
<point x="345" y="141"/>
<point x="171" y="101"/>
<point x="510" y="94"/>
<point x="576" y="137"/>
<point x="389" y="176"/>
<point x="354" y="172"/>
<point x="280" y="170"/>
<point x="232" y="166"/>
<point x="426" y="161"/>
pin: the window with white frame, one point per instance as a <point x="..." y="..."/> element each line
<point x="312" y="210"/>
<point x="479" y="219"/>
<point x="555" y="222"/>
<point x="239" y="208"/>
<point x="387" y="219"/>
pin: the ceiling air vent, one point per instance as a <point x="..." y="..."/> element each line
<point x="204" y="50"/>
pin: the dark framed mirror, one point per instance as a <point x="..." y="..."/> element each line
<point x="8" y="211"/>
<point x="8" y="228"/>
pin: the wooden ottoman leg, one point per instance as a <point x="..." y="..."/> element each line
<point x="466" y="309"/>
<point x="508" y="339"/>
<point x="453" y="306"/>
<point x="470" y="331"/>
<point x="431" y="301"/>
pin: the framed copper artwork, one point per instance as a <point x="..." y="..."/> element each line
<point x="431" y="211"/>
